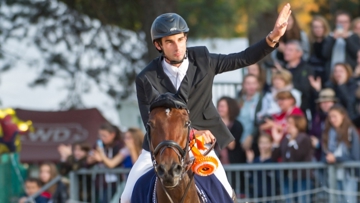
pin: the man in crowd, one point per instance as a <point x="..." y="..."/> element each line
<point x="301" y="72"/>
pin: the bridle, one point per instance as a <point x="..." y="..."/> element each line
<point x="181" y="153"/>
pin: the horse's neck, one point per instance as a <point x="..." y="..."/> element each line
<point x="177" y="193"/>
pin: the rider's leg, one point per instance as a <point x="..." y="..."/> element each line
<point x="141" y="166"/>
<point x="220" y="174"/>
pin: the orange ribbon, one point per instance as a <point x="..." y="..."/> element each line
<point x="203" y="165"/>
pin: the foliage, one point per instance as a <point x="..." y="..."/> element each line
<point x="73" y="47"/>
<point x="210" y="18"/>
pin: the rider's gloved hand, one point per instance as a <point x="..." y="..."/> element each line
<point x="209" y="137"/>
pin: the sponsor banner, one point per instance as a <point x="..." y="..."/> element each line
<point x="57" y="127"/>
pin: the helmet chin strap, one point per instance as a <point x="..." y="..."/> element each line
<point x="173" y="62"/>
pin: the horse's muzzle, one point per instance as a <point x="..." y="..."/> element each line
<point x="170" y="175"/>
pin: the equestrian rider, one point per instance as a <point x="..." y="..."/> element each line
<point x="189" y="71"/>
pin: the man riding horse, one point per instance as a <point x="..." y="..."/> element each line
<point x="189" y="72"/>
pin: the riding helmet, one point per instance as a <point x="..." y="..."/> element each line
<point x="168" y="24"/>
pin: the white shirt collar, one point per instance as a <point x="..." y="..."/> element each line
<point x="173" y="70"/>
<point x="176" y="74"/>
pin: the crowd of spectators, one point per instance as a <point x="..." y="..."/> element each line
<point x="310" y="109"/>
<point x="113" y="149"/>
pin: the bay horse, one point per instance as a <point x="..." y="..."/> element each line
<point x="168" y="129"/>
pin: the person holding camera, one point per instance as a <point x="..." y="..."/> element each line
<point x="338" y="45"/>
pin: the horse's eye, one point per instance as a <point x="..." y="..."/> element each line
<point x="187" y="123"/>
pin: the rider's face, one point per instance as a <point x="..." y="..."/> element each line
<point x="173" y="46"/>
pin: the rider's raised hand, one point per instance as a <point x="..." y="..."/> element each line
<point x="281" y="23"/>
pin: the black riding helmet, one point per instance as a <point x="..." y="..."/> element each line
<point x="168" y="24"/>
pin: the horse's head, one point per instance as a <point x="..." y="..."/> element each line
<point x="168" y="129"/>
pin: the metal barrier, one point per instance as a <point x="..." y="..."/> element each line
<point x="275" y="182"/>
<point x="97" y="185"/>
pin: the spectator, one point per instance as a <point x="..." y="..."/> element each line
<point x="111" y="145"/>
<point x="294" y="147"/>
<point x="319" y="31"/>
<point x="356" y="74"/>
<point x="260" y="73"/>
<point x="73" y="160"/>
<point x="336" y="45"/>
<point x="281" y="81"/>
<point x="345" y="88"/>
<point x="341" y="144"/>
<point x="32" y="186"/>
<point x="356" y="26"/>
<point x="228" y="110"/>
<point x="325" y="101"/>
<point x="293" y="32"/>
<point x="57" y="193"/>
<point x="357" y="67"/>
<point x="250" y="105"/>
<point x="286" y="101"/>
<point x="265" y="142"/>
<point x="300" y="71"/>
<point x="133" y="139"/>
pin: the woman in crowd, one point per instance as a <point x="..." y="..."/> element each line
<point x="294" y="147"/>
<point x="345" y="87"/>
<point x="133" y="139"/>
<point x="250" y="105"/>
<point x="319" y="31"/>
<point x="281" y="81"/>
<point x="341" y="144"/>
<point x="326" y="100"/>
<point x="260" y="73"/>
<point x="72" y="159"/>
<point x="228" y="110"/>
<point x="265" y="143"/>
<point x="293" y="32"/>
<point x="110" y="144"/>
<point x="57" y="193"/>
<point x="286" y="101"/>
